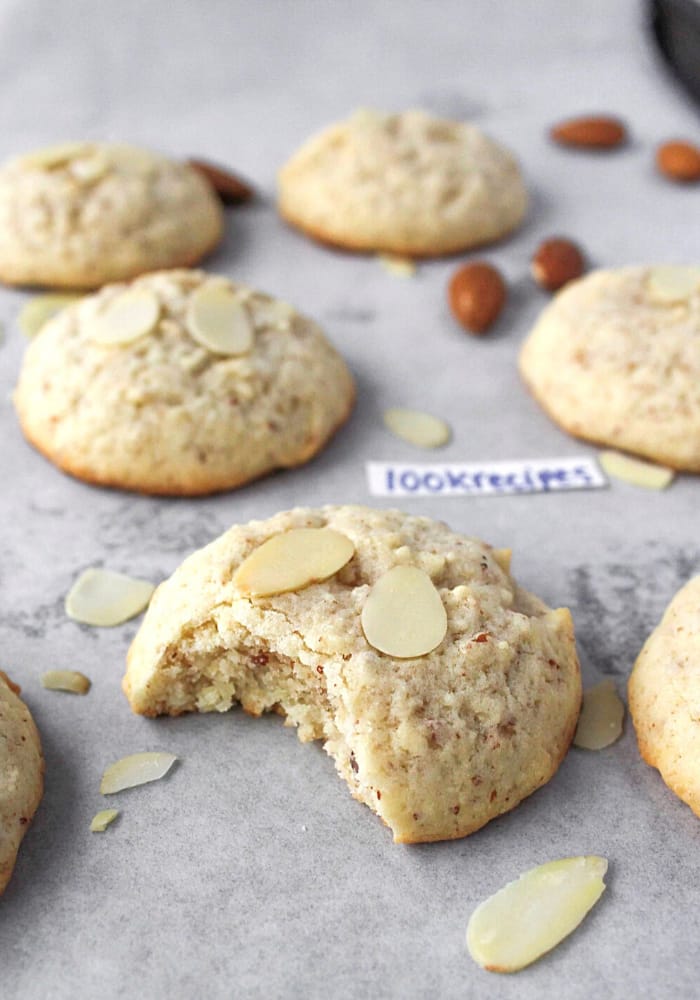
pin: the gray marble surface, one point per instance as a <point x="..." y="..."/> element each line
<point x="250" y="871"/>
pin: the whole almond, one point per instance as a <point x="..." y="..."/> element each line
<point x="679" y="160"/>
<point x="590" y="132"/>
<point x="230" y="188"/>
<point x="556" y="262"/>
<point x="476" y="293"/>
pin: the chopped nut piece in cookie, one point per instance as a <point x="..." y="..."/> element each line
<point x="136" y="769"/>
<point x="600" y="722"/>
<point x="102" y="597"/>
<point x="670" y="284"/>
<point x="635" y="470"/>
<point x="88" y="169"/>
<point x="528" y="917"/>
<point x="40" y="309"/>
<point x="66" y="680"/>
<point x="293" y="560"/>
<point x="101" y="820"/>
<point x="420" y="429"/>
<point x="403" y="615"/>
<point x="130" y="315"/>
<point x="218" y="320"/>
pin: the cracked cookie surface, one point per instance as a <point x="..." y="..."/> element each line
<point x="611" y="364"/>
<point x="436" y="745"/>
<point x="405" y="183"/>
<point x="84" y="214"/>
<point x="21" y="774"/>
<point x="162" y="413"/>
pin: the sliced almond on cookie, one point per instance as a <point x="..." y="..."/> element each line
<point x="670" y="285"/>
<point x="102" y="597"/>
<point x="128" y="316"/>
<point x="219" y="321"/>
<point x="41" y="309"/>
<point x="528" y="917"/>
<point x="600" y="722"/>
<point x="131" y="159"/>
<point x="54" y="156"/>
<point x="88" y="169"/>
<point x="293" y="560"/>
<point x="635" y="470"/>
<point x="404" y="615"/>
<point x="421" y="429"/>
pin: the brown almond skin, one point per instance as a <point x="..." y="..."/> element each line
<point x="679" y="161"/>
<point x="477" y="294"/>
<point x="556" y="262"/>
<point x="590" y="132"/>
<point x="230" y="188"/>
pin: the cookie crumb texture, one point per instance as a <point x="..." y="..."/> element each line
<point x="403" y="183"/>
<point x="162" y="414"/>
<point x="612" y="363"/>
<point x="435" y="745"/>
<point x="92" y="213"/>
<point x="21" y="775"/>
<point x="664" y="696"/>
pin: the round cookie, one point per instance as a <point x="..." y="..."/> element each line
<point x="172" y="411"/>
<point x="86" y="213"/>
<point x="664" y="696"/>
<point x="404" y="183"/>
<point x="615" y="359"/>
<point x="21" y="774"/>
<point x="435" y="744"/>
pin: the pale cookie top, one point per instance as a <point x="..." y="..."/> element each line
<point x="615" y="358"/>
<point x="664" y="696"/>
<point x="181" y="382"/>
<point x="404" y="183"/>
<point x="85" y="213"/>
<point x="436" y="744"/>
<point x="21" y="774"/>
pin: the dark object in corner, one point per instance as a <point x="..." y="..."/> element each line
<point x="676" y="27"/>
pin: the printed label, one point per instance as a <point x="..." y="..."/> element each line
<point x="453" y="479"/>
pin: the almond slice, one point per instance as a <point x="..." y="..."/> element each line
<point x="669" y="284"/>
<point x="127" y="317"/>
<point x="66" y="680"/>
<point x="635" y="471"/>
<point x="88" y="169"/>
<point x="528" y="917"/>
<point x="600" y="722"/>
<point x="41" y="309"/>
<point x="292" y="561"/>
<point x="54" y="156"/>
<point x="219" y="321"/>
<point x="421" y="429"/>
<point x="404" y="615"/>
<point x="131" y="159"/>
<point x="102" y="819"/>
<point x="102" y="597"/>
<point x="400" y="267"/>
<point x="136" y="769"/>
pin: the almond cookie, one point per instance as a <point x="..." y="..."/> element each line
<point x="21" y="774"/>
<point x="404" y="183"/>
<point x="615" y="359"/>
<point x="180" y="383"/>
<point x="664" y="696"/>
<point x="443" y="691"/>
<point x="85" y="213"/>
